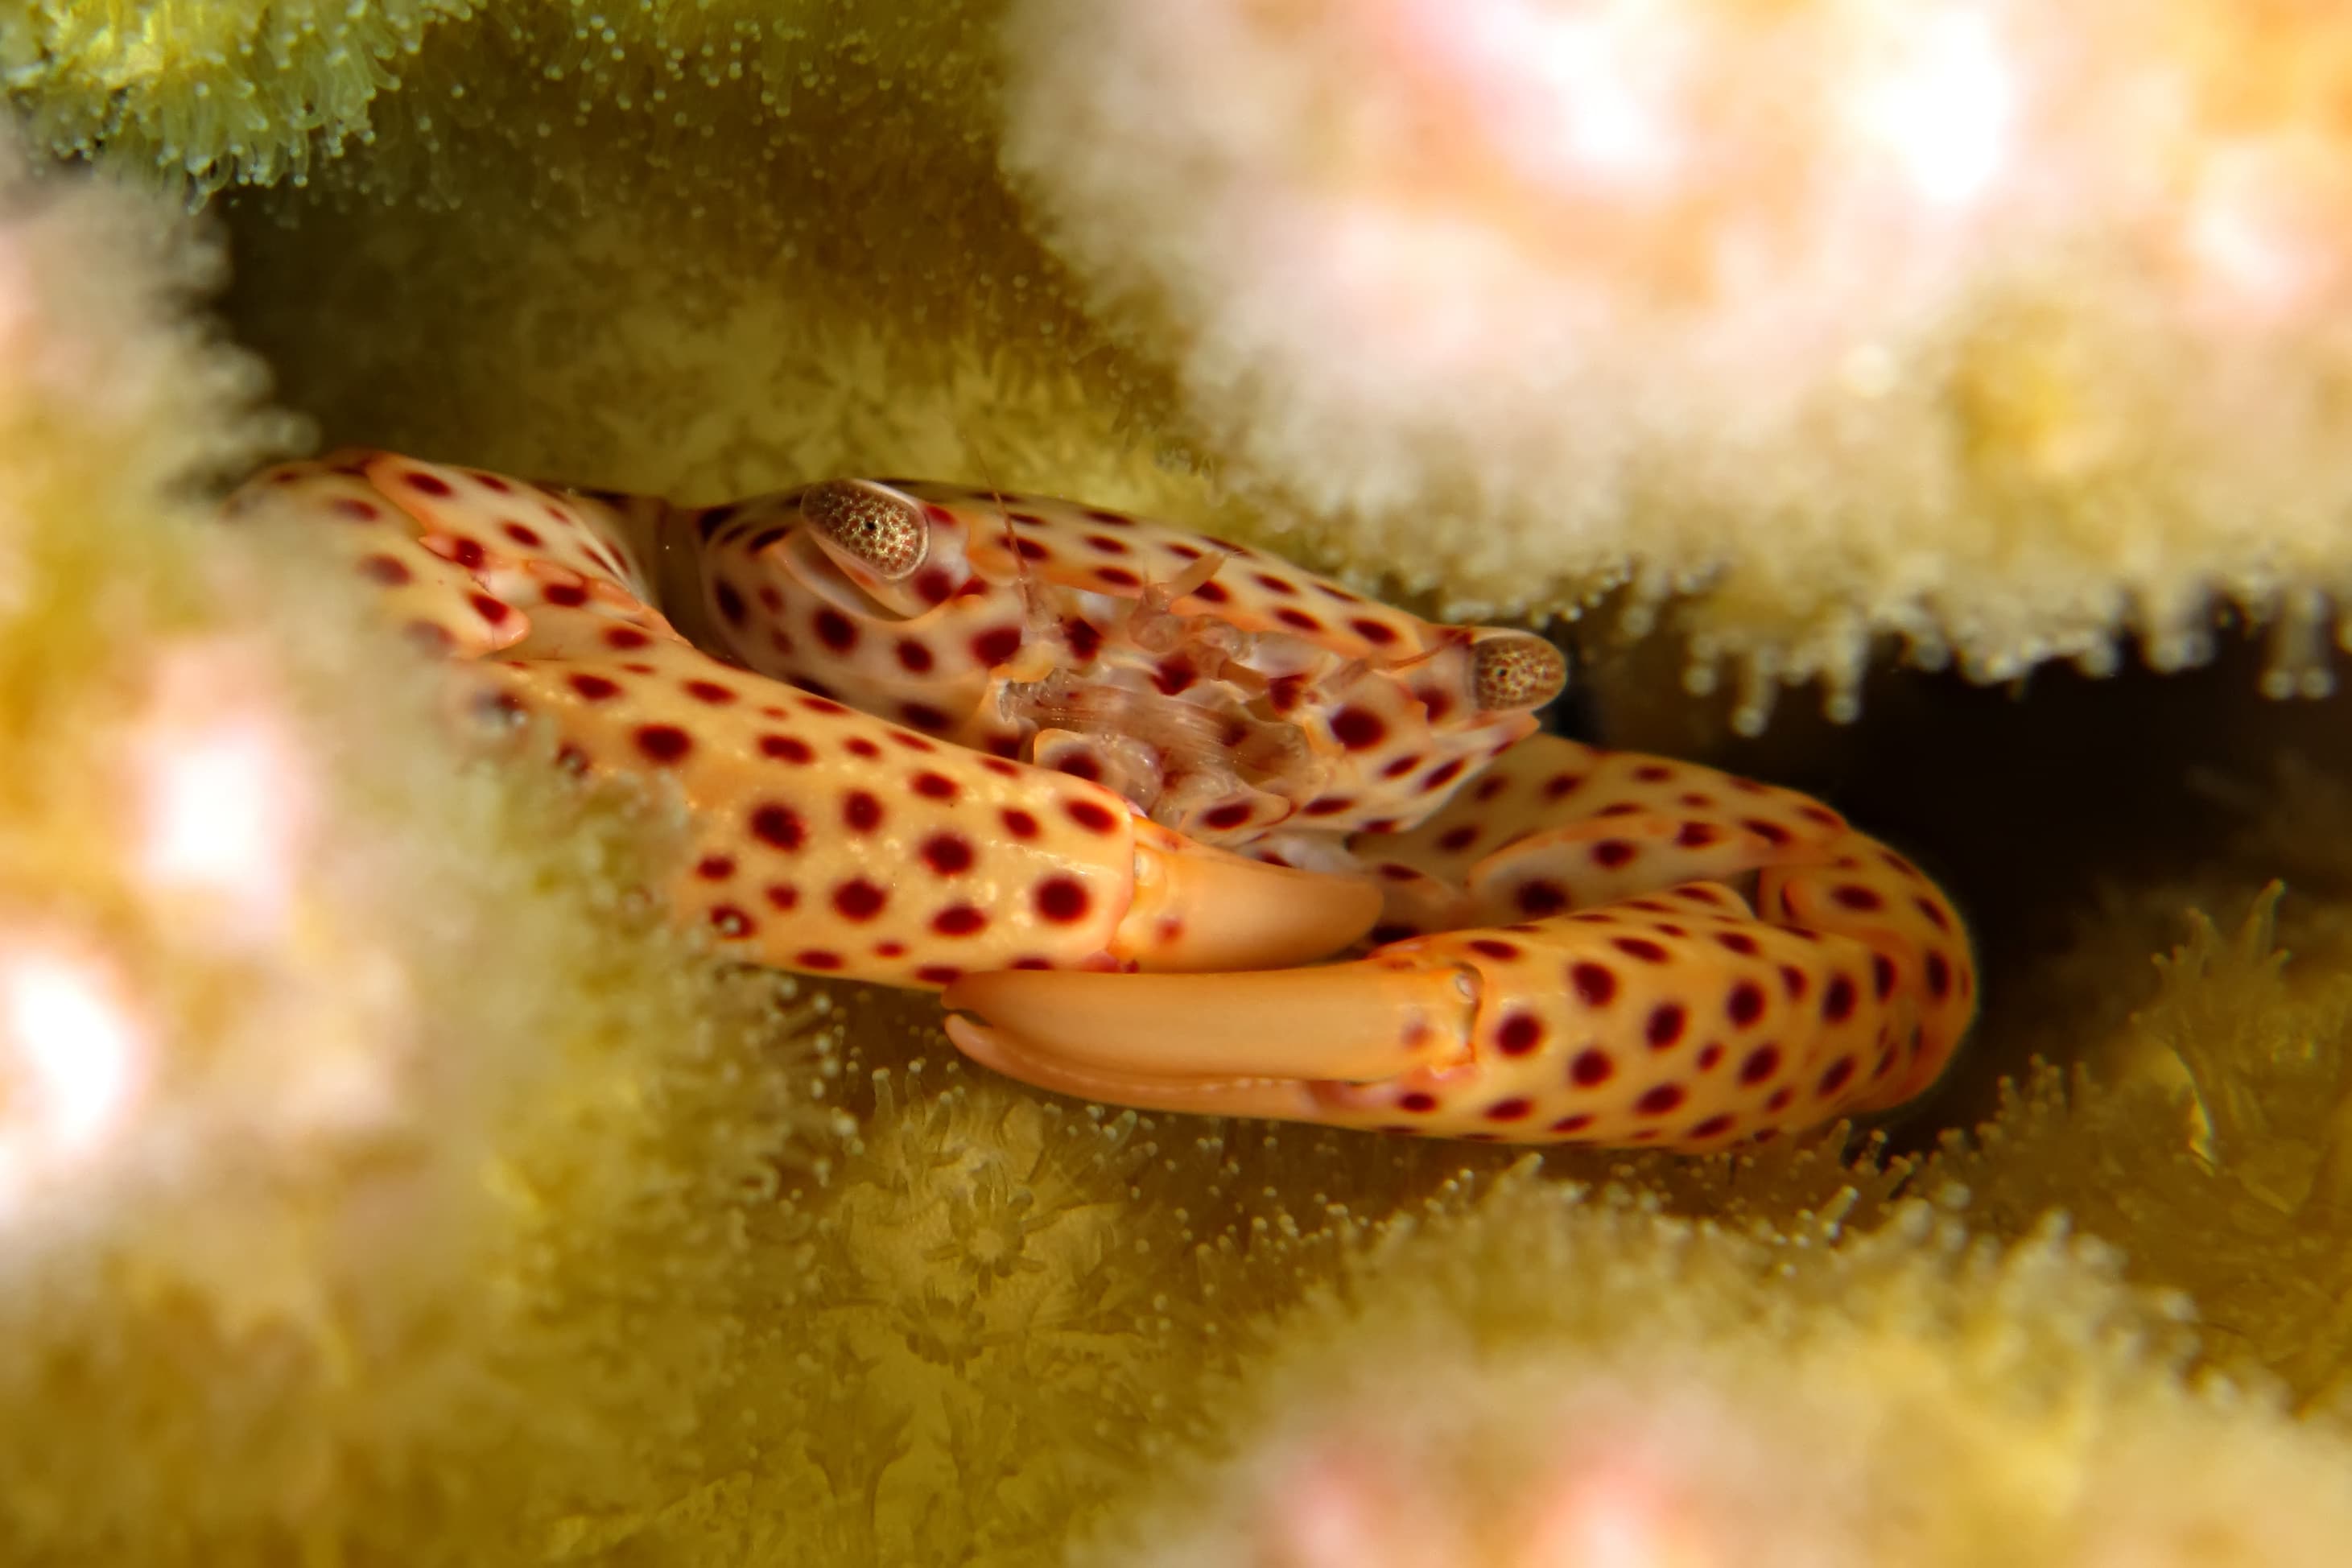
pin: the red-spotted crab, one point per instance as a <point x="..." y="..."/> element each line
<point x="1115" y="788"/>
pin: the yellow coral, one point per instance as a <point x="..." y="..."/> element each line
<point x="371" y="1168"/>
<point x="210" y="93"/>
<point x="1998" y="329"/>
<point x="1539" y="1379"/>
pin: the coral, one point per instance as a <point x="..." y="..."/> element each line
<point x="451" y="1210"/>
<point x="373" y="1169"/>
<point x="1540" y="1378"/>
<point x="1998" y="329"/>
<point x="215" y="91"/>
<point x="2212" y="1145"/>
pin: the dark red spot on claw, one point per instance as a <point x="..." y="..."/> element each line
<point x="957" y="919"/>
<point x="1838" y="1000"/>
<point x="1666" y="1097"/>
<point x="1939" y="971"/>
<point x="859" y="899"/>
<point x="1595" y="984"/>
<point x="778" y="826"/>
<point x="1881" y="975"/>
<point x="1063" y="900"/>
<point x="947" y="854"/>
<point x="1520" y="1033"/>
<point x="664" y="742"/>
<point x="1745" y="1003"/>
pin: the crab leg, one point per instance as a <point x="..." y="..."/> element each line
<point x="1669" y="1014"/>
<point x="822" y="839"/>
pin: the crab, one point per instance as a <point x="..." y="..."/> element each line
<point x="1170" y="823"/>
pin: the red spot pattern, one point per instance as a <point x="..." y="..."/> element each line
<point x="859" y="899"/>
<point x="1520" y="1033"/>
<point x="947" y="854"/>
<point x="664" y="743"/>
<point x="1358" y="729"/>
<point x="1063" y="900"/>
<point x="779" y="827"/>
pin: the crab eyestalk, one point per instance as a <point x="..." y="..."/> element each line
<point x="1516" y="672"/>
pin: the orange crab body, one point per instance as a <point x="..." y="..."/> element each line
<point x="1117" y="787"/>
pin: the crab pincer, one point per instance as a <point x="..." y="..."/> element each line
<point x="1679" y="1019"/>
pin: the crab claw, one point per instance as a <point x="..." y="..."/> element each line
<point x="1194" y="1041"/>
<point x="1676" y="1021"/>
<point x="1194" y="906"/>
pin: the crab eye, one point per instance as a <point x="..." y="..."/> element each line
<point x="1516" y="670"/>
<point x="884" y="532"/>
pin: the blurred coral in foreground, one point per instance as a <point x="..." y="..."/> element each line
<point x="1541" y="1381"/>
<point x="346" y="1100"/>
<point x="2002" y="328"/>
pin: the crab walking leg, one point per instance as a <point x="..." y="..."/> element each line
<point x="1555" y="825"/>
<point x="1676" y="1021"/>
<point x="822" y="839"/>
